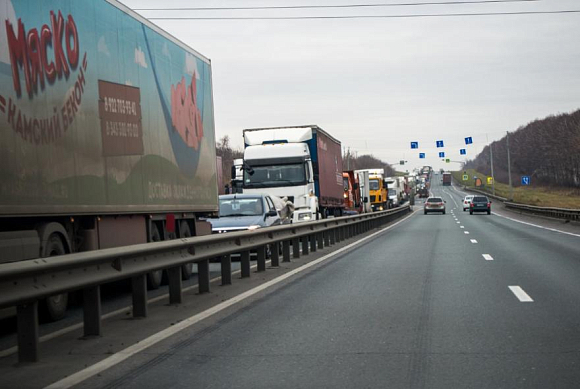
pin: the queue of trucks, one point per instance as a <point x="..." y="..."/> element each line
<point x="107" y="139"/>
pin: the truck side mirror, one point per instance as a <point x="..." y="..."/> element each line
<point x="355" y="186"/>
<point x="366" y="200"/>
<point x="233" y="172"/>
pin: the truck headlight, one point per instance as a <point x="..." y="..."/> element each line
<point x="254" y="227"/>
<point x="304" y="216"/>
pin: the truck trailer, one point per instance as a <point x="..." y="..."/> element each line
<point x="446" y="179"/>
<point x="302" y="163"/>
<point x="106" y="132"/>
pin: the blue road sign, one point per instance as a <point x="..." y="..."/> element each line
<point x="468" y="140"/>
<point x="462" y="151"/>
<point x="441" y="155"/>
<point x="439" y="143"/>
<point x="421" y="155"/>
<point x="526" y="180"/>
<point x="414" y="145"/>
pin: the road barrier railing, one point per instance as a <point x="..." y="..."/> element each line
<point x="23" y="284"/>
<point x="558" y="213"/>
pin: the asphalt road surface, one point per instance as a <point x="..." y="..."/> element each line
<point x="440" y="301"/>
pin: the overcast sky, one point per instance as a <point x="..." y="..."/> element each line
<point x="378" y="84"/>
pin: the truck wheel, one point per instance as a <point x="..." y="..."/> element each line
<point x="155" y="277"/>
<point x="185" y="232"/>
<point x="54" y="307"/>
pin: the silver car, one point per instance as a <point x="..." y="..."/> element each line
<point x="434" y="204"/>
<point x="239" y="212"/>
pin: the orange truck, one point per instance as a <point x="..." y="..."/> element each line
<point x="352" y="203"/>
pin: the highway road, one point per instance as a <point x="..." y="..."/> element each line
<point x="439" y="301"/>
<point x="436" y="301"/>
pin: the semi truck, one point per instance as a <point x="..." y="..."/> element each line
<point x="302" y="163"/>
<point x="352" y="200"/>
<point x="377" y="189"/>
<point x="395" y="191"/>
<point x="446" y="179"/>
<point x="106" y="133"/>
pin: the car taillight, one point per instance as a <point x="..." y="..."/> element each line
<point x="488" y="205"/>
<point x="471" y="205"/>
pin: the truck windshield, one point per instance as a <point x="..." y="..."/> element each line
<point x="374" y="184"/>
<point x="241" y="207"/>
<point x="276" y="175"/>
<point x="345" y="183"/>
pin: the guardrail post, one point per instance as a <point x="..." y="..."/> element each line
<point x="175" y="284"/>
<point x="313" y="243"/>
<point x="27" y="319"/>
<point x="261" y="258"/>
<point x="92" y="311"/>
<point x="286" y="251"/>
<point x="245" y="263"/>
<point x="338" y="234"/>
<point x="332" y="236"/>
<point x="305" y="244"/>
<point x="139" y="286"/>
<point x="320" y="239"/>
<point x="275" y="254"/>
<point x="296" y="248"/>
<point x="203" y="276"/>
<point x="226" y="269"/>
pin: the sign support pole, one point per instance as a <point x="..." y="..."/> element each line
<point x="509" y="166"/>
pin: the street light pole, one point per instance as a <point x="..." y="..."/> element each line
<point x="509" y="166"/>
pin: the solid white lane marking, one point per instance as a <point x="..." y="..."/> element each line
<point x="466" y="232"/>
<point x="487" y="257"/>
<point x="473" y="241"/>
<point x="535" y="225"/>
<point x="122" y="355"/>
<point x="520" y="294"/>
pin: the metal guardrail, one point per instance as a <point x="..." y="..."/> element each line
<point x="558" y="213"/>
<point x="23" y="284"/>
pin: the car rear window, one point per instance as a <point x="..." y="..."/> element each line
<point x="435" y="200"/>
<point x="480" y="199"/>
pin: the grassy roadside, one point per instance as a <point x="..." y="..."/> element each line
<point x="532" y="195"/>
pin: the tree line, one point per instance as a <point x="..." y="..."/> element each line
<point x="547" y="150"/>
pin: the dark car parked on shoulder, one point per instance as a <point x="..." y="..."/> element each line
<point x="480" y="204"/>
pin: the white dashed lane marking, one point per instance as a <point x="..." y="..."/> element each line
<point x="473" y="241"/>
<point x="466" y="232"/>
<point x="487" y="257"/>
<point x="520" y="294"/>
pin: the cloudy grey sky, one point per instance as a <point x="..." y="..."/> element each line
<point x="377" y="84"/>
